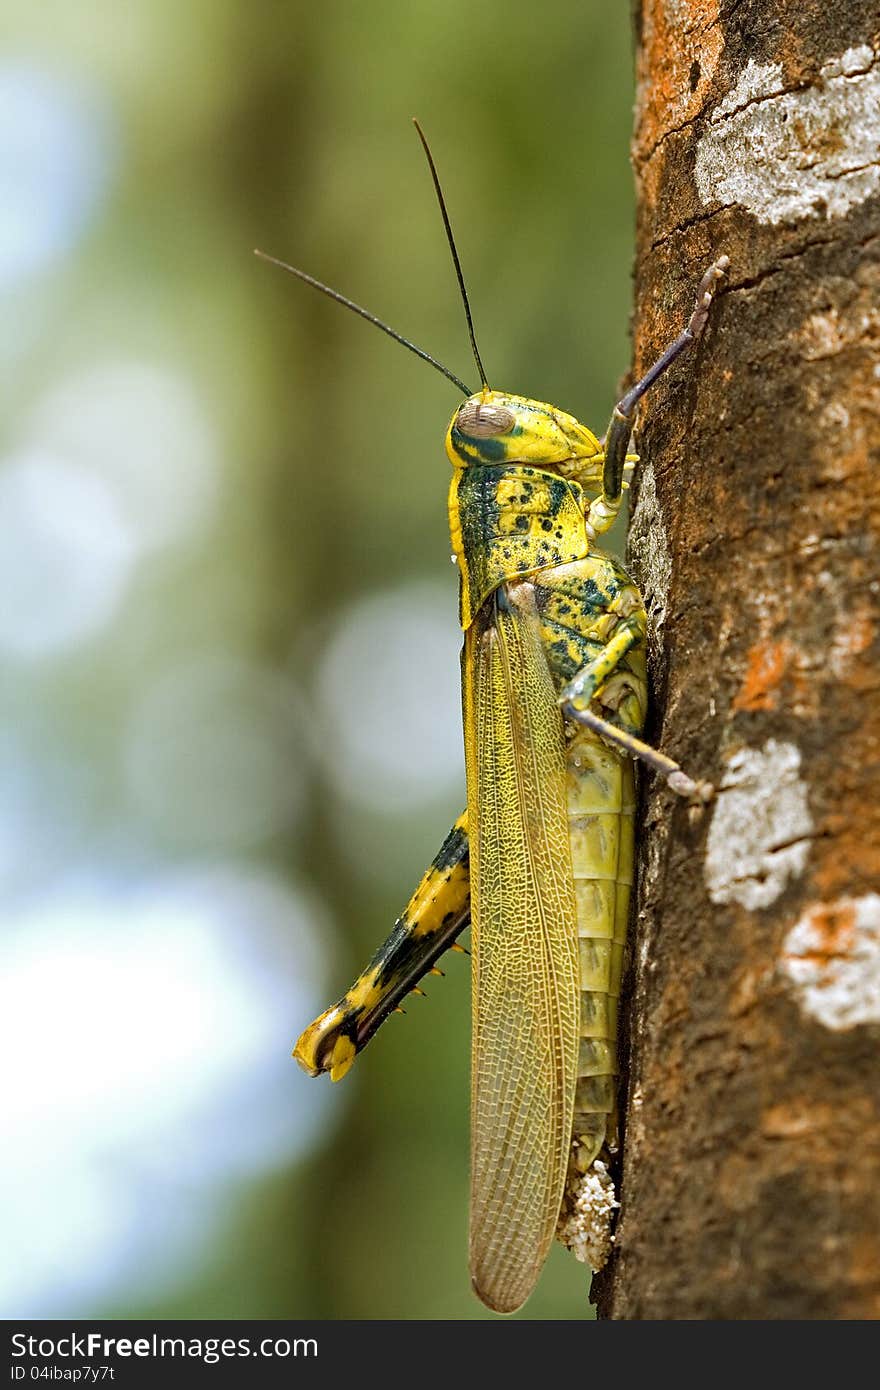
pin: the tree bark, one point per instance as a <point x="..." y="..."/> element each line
<point x="751" y="1168"/>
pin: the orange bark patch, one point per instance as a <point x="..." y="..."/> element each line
<point x="681" y="45"/>
<point x="853" y="854"/>
<point x="829" y="932"/>
<point x="768" y="663"/>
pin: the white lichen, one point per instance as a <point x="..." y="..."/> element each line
<point x="831" y="961"/>
<point x="587" y="1213"/>
<point x="757" y="839"/>
<point x="789" y="155"/>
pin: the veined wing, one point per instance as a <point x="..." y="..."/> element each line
<point x="524" y="947"/>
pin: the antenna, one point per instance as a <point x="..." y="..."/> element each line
<point x="371" y="318"/>
<point x="450" y="238"/>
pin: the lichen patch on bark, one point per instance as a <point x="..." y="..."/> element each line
<point x="789" y="155"/>
<point x="758" y="837"/>
<point x="831" y="962"/>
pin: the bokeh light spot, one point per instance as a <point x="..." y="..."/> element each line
<point x="142" y="430"/>
<point x="151" y="1025"/>
<point x="388" y="695"/>
<point x="214" y="754"/>
<point x="57" y="153"/>
<point x="66" y="554"/>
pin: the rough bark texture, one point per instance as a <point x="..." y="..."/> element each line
<point x="751" y="1180"/>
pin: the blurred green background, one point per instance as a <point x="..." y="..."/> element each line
<point x="231" y="736"/>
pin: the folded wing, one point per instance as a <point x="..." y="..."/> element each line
<point x="525" y="962"/>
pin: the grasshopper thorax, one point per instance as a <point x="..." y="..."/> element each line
<point x="516" y="503"/>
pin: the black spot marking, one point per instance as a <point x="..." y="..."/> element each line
<point x="694" y="76"/>
<point x="453" y="850"/>
<point x="392" y="943"/>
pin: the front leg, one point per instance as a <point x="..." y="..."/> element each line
<point x="603" y="511"/>
<point x="438" y="911"/>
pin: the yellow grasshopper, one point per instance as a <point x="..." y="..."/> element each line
<point x="541" y="862"/>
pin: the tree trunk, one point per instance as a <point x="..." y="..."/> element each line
<point x="751" y="1172"/>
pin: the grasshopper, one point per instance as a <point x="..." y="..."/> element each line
<point x="554" y="695"/>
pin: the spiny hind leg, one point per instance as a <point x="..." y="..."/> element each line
<point x="438" y="911"/>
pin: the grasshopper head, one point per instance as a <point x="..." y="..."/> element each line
<point x="493" y="427"/>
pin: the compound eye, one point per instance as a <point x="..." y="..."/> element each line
<point x="481" y="421"/>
